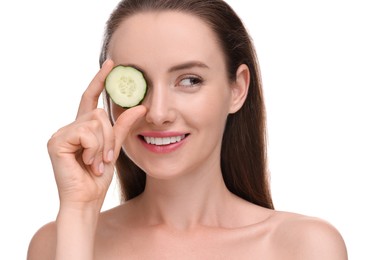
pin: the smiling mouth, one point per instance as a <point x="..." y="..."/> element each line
<point x="163" y="140"/>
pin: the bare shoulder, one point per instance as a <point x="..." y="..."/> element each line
<point x="303" y="237"/>
<point x="42" y="244"/>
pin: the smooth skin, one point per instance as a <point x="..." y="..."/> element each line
<point x="186" y="211"/>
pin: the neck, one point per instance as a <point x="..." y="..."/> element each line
<point x="184" y="202"/>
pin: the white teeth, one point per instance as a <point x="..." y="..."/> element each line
<point x="164" y="140"/>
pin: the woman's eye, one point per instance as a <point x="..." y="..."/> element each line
<point x="190" y="82"/>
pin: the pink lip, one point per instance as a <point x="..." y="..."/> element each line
<point x="162" y="149"/>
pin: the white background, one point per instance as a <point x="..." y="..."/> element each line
<point x="320" y="62"/>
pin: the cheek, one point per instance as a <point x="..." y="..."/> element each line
<point x="215" y="101"/>
<point x="210" y="109"/>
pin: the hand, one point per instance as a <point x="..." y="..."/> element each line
<point x="83" y="153"/>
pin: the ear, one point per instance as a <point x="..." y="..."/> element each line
<point x="239" y="88"/>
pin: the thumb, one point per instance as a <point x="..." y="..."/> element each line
<point x="123" y="125"/>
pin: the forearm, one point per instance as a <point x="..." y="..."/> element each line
<point x="76" y="234"/>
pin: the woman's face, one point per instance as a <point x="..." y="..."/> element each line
<point x="188" y="98"/>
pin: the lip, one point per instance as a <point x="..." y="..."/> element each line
<point x="181" y="138"/>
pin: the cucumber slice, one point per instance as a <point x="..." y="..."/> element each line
<point x="126" y="86"/>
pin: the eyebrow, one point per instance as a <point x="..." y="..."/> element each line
<point x="188" y="65"/>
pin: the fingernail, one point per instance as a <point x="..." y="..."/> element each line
<point x="101" y="167"/>
<point x="110" y="155"/>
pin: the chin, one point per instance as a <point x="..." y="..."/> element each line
<point x="163" y="173"/>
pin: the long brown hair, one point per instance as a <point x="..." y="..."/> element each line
<point x="243" y="154"/>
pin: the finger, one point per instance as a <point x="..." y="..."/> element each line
<point x="91" y="95"/>
<point x="124" y="123"/>
<point x="71" y="139"/>
<point x="107" y="133"/>
<point x="91" y="145"/>
<point x="100" y="124"/>
<point x="97" y="167"/>
<point x="92" y="142"/>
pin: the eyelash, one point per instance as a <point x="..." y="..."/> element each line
<point x="194" y="81"/>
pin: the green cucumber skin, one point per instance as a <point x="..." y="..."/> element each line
<point x="134" y="70"/>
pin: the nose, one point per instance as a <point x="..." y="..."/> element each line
<point x="159" y="104"/>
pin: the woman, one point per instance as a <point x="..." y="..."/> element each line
<point x="204" y="193"/>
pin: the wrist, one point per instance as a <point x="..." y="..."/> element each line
<point x="80" y="207"/>
<point x="75" y="214"/>
<point x="76" y="229"/>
